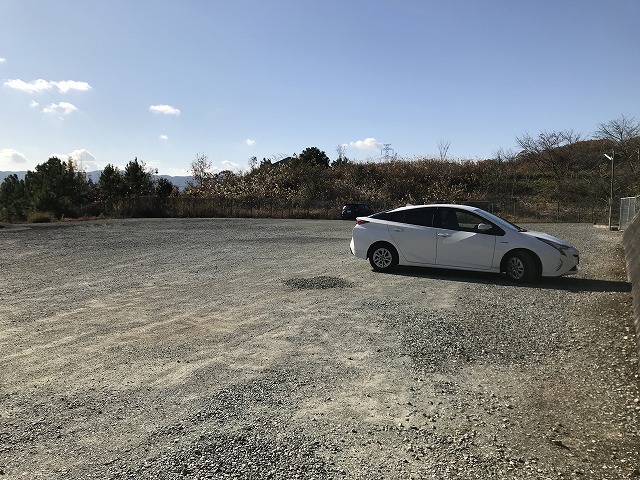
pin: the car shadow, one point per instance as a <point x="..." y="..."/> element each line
<point x="568" y="283"/>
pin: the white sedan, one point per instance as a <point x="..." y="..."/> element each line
<point x="462" y="238"/>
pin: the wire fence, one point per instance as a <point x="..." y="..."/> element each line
<point x="261" y="207"/>
<point x="629" y="207"/>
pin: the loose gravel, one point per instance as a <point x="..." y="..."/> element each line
<point x="253" y="349"/>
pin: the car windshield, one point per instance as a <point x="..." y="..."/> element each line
<point x="501" y="221"/>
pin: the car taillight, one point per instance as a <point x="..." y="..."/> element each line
<point x="361" y="221"/>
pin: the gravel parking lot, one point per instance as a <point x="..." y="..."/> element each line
<point x="244" y="348"/>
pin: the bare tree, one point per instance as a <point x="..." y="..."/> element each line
<point x="621" y="130"/>
<point x="550" y="150"/>
<point x="443" y="149"/>
<point x="624" y="134"/>
<point x="202" y="174"/>
<point x="552" y="153"/>
<point x="508" y="170"/>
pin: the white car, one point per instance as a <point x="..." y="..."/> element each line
<point x="462" y="238"/>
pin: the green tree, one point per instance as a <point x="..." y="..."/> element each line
<point x="111" y="183"/>
<point x="56" y="187"/>
<point x="314" y="156"/>
<point x="136" y="179"/>
<point x="13" y="200"/>
<point x="164" y="188"/>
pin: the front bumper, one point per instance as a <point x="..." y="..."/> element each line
<point x="567" y="264"/>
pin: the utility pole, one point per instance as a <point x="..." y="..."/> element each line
<point x="611" y="157"/>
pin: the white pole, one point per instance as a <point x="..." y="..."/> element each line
<point x="610" y="157"/>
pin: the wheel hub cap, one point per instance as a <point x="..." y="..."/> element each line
<point x="516" y="268"/>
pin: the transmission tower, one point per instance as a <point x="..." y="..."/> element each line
<point x="387" y="152"/>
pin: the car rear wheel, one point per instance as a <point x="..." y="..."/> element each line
<point x="520" y="267"/>
<point x="383" y="257"/>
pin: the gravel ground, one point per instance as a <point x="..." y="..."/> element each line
<point x="253" y="349"/>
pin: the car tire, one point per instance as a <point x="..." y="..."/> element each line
<point x="520" y="267"/>
<point x="383" y="257"/>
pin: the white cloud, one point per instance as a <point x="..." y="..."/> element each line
<point x="67" y="85"/>
<point x="228" y="165"/>
<point x="82" y="159"/>
<point x="164" y="137"/>
<point x="35" y="86"/>
<point x="164" y="110"/>
<point x="250" y="142"/>
<point x="3" y="60"/>
<point x="367" y="144"/>
<point x="64" y="108"/>
<point x="40" y="85"/>
<point x="34" y="104"/>
<point x="12" y="160"/>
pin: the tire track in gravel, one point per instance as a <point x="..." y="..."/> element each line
<point x="179" y="349"/>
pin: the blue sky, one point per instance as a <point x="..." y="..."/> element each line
<point x="163" y="81"/>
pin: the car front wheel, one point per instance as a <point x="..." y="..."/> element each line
<point x="383" y="257"/>
<point x="520" y="267"/>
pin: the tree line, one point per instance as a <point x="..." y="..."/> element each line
<point x="555" y="168"/>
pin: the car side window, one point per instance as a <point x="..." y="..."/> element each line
<point x="464" y="221"/>
<point x="448" y="219"/>
<point x="420" y="216"/>
<point x="468" y="222"/>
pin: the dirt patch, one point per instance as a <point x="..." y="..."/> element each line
<point x="313" y="283"/>
<point x="226" y="348"/>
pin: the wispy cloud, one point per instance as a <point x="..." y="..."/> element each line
<point x="250" y="142"/>
<point x="366" y="144"/>
<point x="34" y="104"/>
<point x="64" y="108"/>
<point x="164" y="110"/>
<point x="40" y="85"/>
<point x="164" y="137"/>
<point x="3" y="60"/>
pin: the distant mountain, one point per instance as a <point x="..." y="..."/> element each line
<point x="178" y="181"/>
<point x="4" y="175"/>
<point x="94" y="176"/>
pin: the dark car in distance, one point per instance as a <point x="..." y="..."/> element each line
<point x="352" y="210"/>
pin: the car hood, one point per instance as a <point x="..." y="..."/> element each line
<point x="546" y="236"/>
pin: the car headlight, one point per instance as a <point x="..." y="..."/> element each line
<point x="560" y="247"/>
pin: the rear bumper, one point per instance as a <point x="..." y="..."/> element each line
<point x="357" y="253"/>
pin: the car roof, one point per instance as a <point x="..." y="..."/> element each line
<point x="441" y="205"/>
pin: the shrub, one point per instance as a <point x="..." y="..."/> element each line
<point x="39" y="217"/>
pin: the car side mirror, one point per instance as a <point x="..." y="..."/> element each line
<point x="483" y="227"/>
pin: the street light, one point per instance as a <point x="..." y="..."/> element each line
<point x="611" y="157"/>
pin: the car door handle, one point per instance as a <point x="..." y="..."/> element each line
<point x="444" y="235"/>
<point x="398" y="229"/>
